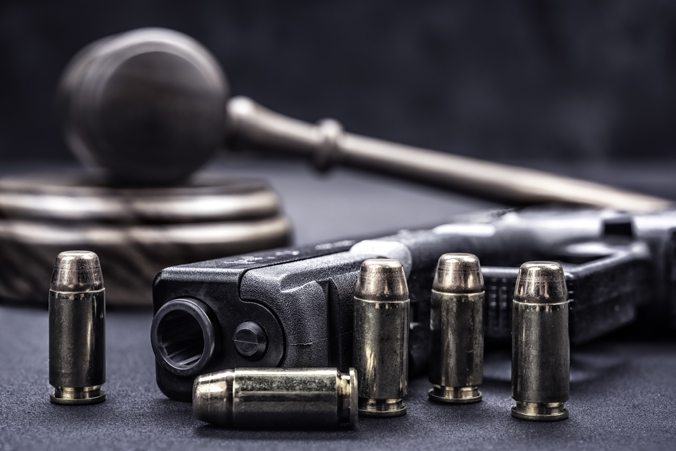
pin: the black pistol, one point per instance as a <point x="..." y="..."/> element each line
<point x="293" y="307"/>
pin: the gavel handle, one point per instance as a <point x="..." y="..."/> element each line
<point x="327" y="144"/>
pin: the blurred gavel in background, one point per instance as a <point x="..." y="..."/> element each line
<point x="151" y="106"/>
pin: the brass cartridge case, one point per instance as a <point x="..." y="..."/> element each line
<point x="77" y="335"/>
<point x="456" y="324"/>
<point x="540" y="343"/>
<point x="277" y="398"/>
<point x="381" y="329"/>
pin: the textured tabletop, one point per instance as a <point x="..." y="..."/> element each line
<point x="623" y="388"/>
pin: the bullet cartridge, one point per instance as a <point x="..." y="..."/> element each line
<point x="277" y="398"/>
<point x="77" y="336"/>
<point x="540" y="343"/>
<point x="381" y="329"/>
<point x="456" y="324"/>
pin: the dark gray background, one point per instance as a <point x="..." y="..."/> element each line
<point x="588" y="80"/>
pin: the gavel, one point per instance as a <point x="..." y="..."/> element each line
<point x="150" y="106"/>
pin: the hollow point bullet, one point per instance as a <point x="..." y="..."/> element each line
<point x="276" y="397"/>
<point x="456" y="324"/>
<point x="77" y="315"/>
<point x="381" y="329"/>
<point x="540" y="343"/>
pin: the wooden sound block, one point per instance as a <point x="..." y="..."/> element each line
<point x="136" y="232"/>
<point x="75" y="196"/>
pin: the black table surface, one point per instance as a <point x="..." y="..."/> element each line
<point x="623" y="387"/>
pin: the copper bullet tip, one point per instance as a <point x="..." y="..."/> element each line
<point x="458" y="273"/>
<point x="212" y="397"/>
<point x="541" y="283"/>
<point x="381" y="279"/>
<point x="77" y="271"/>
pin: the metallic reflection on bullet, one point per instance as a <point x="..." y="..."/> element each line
<point x="381" y="328"/>
<point x="456" y="323"/>
<point x="277" y="398"/>
<point x="77" y="315"/>
<point x="540" y="343"/>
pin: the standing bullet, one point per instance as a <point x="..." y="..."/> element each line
<point x="540" y="344"/>
<point x="77" y="315"/>
<point x="276" y="397"/>
<point x="456" y="323"/>
<point x="381" y="327"/>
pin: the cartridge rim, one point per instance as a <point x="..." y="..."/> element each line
<point x="381" y="408"/>
<point x="77" y="396"/>
<point x="455" y="395"/>
<point x="535" y="411"/>
<point x="354" y="399"/>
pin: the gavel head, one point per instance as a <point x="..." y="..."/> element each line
<point x="147" y="106"/>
